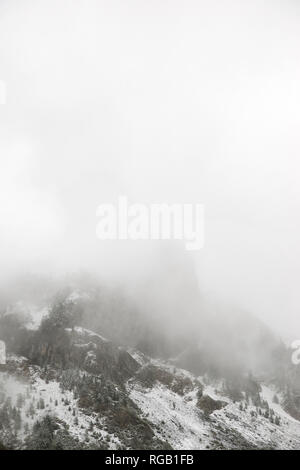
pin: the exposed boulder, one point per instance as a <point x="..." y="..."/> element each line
<point x="208" y="405"/>
<point x="151" y="374"/>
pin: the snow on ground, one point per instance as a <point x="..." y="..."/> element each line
<point x="214" y="391"/>
<point x="84" y="331"/>
<point x="176" y="420"/>
<point x="139" y="357"/>
<point x="268" y="394"/>
<point x="259" y="429"/>
<point x="40" y="398"/>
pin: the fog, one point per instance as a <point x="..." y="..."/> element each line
<point x="164" y="102"/>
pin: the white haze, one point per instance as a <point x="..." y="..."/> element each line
<point x="161" y="101"/>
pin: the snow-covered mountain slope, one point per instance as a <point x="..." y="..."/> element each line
<point x="71" y="384"/>
<point x="171" y="407"/>
<point x="35" y="398"/>
<point x="178" y="419"/>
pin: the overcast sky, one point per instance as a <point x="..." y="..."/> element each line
<point x="162" y="101"/>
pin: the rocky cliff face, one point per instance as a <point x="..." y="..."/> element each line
<point x="80" y="348"/>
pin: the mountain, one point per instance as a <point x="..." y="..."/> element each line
<point x="86" y="370"/>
